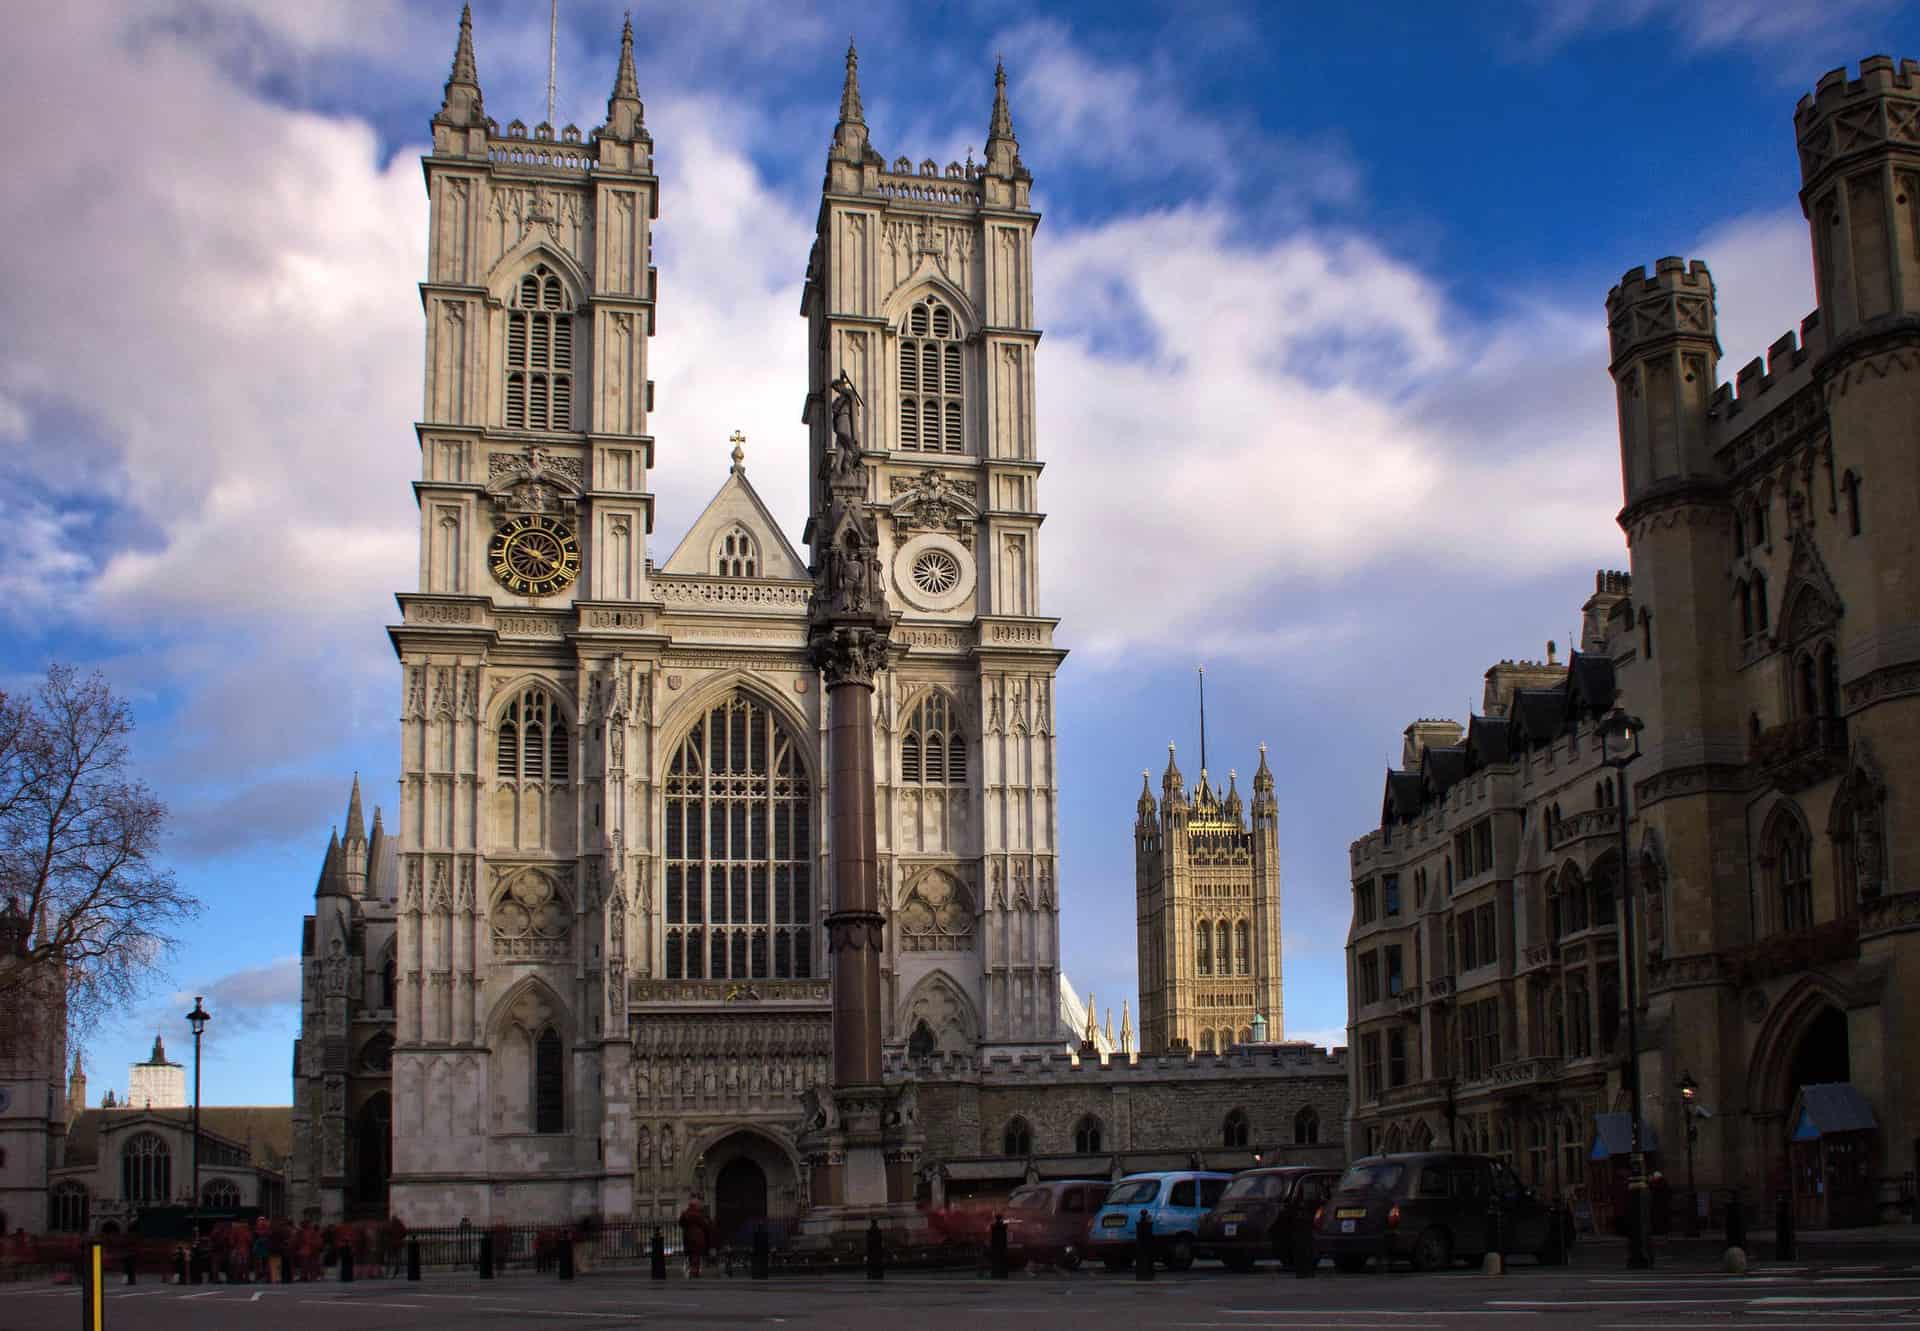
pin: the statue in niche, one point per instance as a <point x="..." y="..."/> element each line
<point x="666" y="1144"/>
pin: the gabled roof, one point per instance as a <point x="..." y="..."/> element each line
<point x="1402" y="798"/>
<point x="1443" y="765"/>
<point x="736" y="502"/>
<point x="264" y="1132"/>
<point x="1540" y="715"/>
<point x="1489" y="740"/>
<point x="1590" y="682"/>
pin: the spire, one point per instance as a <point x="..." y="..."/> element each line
<point x="1092" y="1014"/>
<point x="1233" y="805"/>
<point x="1003" y="150"/>
<point x="1126" y="1028"/>
<point x="378" y="831"/>
<point x="851" y="112"/>
<point x="1109" y="1032"/>
<point x="356" y="820"/>
<point x="159" y="1051"/>
<point x="1201" y="671"/>
<point x="462" y="104"/>
<point x="626" y="117"/>
<point x="850" y="132"/>
<point x="332" y="882"/>
<point x="1172" y="784"/>
<point x="1145" y="803"/>
<point x="1263" y="776"/>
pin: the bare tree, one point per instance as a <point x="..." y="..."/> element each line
<point x="78" y="836"/>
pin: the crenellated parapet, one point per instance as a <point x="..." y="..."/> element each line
<point x="1843" y="121"/>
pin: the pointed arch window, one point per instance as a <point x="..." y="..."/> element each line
<point x="933" y="751"/>
<point x="146" y="1170"/>
<point x="1017" y="1139"/>
<point x="220" y="1195"/>
<point x="549" y="1083"/>
<point x="1235" y="1131"/>
<point x="738" y="849"/>
<point x="1850" y="487"/>
<point x="1790" y="855"/>
<point x="1087" y="1135"/>
<point x="1306" y="1128"/>
<point x="932" y="379"/>
<point x="539" y="386"/>
<point x="1203" y="948"/>
<point x="68" y="1207"/>
<point x="1241" y="938"/>
<point x="533" y="740"/>
<point x="737" y="554"/>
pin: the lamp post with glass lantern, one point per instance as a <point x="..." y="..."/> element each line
<point x="198" y="1019"/>
<point x="1624" y="730"/>
<point x="1689" y="1093"/>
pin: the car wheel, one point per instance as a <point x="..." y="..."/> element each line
<point x="1237" y="1262"/>
<point x="1116" y="1264"/>
<point x="1350" y="1263"/>
<point x="1433" y="1251"/>
<point x="1180" y="1253"/>
<point x="1069" y="1258"/>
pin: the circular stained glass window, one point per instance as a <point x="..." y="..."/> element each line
<point x="936" y="572"/>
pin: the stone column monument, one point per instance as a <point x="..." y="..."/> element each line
<point x="861" y="1139"/>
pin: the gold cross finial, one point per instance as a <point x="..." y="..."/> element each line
<point x="738" y="440"/>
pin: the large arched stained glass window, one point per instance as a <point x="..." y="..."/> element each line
<point x="739" y="849"/>
<point x="146" y="1170"/>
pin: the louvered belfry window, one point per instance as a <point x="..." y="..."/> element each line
<point x="533" y="740"/>
<point x="934" y="750"/>
<point x="540" y="354"/>
<point x="932" y="400"/>
<point x="739" y="849"/>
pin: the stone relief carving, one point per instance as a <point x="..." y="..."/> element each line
<point x="530" y="915"/>
<point x="535" y="480"/>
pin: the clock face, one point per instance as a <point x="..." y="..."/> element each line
<point x="534" y="555"/>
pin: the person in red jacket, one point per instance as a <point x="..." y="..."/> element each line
<point x="696" y="1236"/>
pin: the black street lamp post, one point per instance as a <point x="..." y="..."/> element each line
<point x="198" y="1019"/>
<point x="1624" y="729"/>
<point x="1689" y="1093"/>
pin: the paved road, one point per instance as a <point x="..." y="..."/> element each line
<point x="1880" y="1292"/>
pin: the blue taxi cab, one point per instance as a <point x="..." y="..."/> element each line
<point x="1174" y="1200"/>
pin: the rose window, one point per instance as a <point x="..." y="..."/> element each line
<point x="936" y="572"/>
<point x="530" y="919"/>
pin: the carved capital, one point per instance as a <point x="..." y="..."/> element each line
<point x="853" y="931"/>
<point x="848" y="654"/>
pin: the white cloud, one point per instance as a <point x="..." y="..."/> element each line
<point x="1759" y="24"/>
<point x="1334" y="1037"/>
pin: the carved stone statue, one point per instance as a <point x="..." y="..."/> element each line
<point x="819" y="1114"/>
<point x="845" y="429"/>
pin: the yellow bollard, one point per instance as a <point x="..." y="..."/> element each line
<point x="93" y="1294"/>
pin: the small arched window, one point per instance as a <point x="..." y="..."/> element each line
<point x="1829" y="682"/>
<point x="1850" y="487"/>
<point x="549" y="1083"/>
<point x="1241" y="938"/>
<point x="932" y="382"/>
<point x="220" y="1195"/>
<point x="68" y="1205"/>
<point x="1646" y="634"/>
<point x="376" y="1055"/>
<point x="1306" y="1127"/>
<point x="933" y="751"/>
<point x="1203" y="948"/>
<point x="737" y="554"/>
<point x="533" y="741"/>
<point x="146" y="1170"/>
<point x="1223" y="947"/>
<point x="1234" y="1131"/>
<point x="539" y="354"/>
<point x="1743" y="594"/>
<point x="1087" y="1135"/>
<point x="1206" y="1037"/>
<point x="1790" y="854"/>
<point x="1759" y="592"/>
<point x="389" y="982"/>
<point x="1018" y="1138"/>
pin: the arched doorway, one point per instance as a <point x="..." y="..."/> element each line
<point x="373" y="1154"/>
<point x="1821" y="1056"/>
<point x="748" y="1179"/>
<point x="739" y="1198"/>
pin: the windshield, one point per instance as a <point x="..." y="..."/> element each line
<point x="1129" y="1194"/>
<point x="1372" y="1178"/>
<point x="1028" y="1199"/>
<point x="1255" y="1185"/>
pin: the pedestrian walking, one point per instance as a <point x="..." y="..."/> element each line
<point x="696" y="1236"/>
<point x="396" y="1244"/>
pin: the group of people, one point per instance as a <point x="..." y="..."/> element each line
<point x="280" y="1249"/>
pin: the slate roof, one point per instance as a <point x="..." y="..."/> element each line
<point x="1441" y="766"/>
<point x="1540" y="714"/>
<point x="265" y="1131"/>
<point x="1402" y="798"/>
<point x="1489" y="740"/>
<point x="1590" y="681"/>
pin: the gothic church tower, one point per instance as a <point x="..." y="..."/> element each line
<point x="510" y="1062"/>
<point x="920" y="290"/>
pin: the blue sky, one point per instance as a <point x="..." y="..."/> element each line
<point x="1323" y="391"/>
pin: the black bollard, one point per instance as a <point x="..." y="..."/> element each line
<point x="566" y="1257"/>
<point x="1143" y="1247"/>
<point x="876" y="1252"/>
<point x="486" y="1256"/>
<point x="127" y="1266"/>
<point x="657" y="1262"/>
<point x="1494" y="1231"/>
<point x="179" y="1266"/>
<point x="346" y="1263"/>
<point x="413" y="1259"/>
<point x="1783" y="1244"/>
<point x="997" y="1248"/>
<point x="762" y="1252"/>
<point x="1736" y="1222"/>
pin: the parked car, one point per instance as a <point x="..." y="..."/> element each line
<point x="1254" y="1217"/>
<point x="1429" y="1208"/>
<point x="1175" y="1200"/>
<point x="1047" y="1222"/>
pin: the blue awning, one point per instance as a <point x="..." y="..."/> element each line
<point x="1831" y="1107"/>
<point x="1613" y="1136"/>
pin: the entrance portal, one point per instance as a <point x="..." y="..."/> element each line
<point x="1821" y="1055"/>
<point x="739" y="1200"/>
